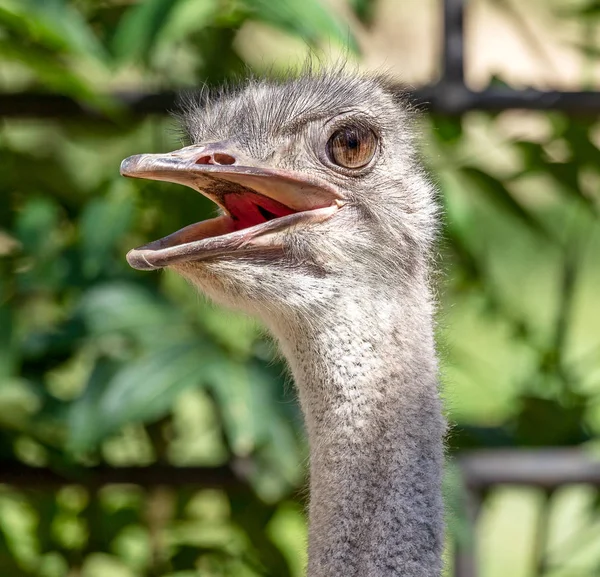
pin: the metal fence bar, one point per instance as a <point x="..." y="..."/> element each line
<point x="24" y="476"/>
<point x="453" y="60"/>
<point x="465" y="554"/>
<point x="456" y="99"/>
<point x="481" y="471"/>
<point x="442" y="98"/>
<point x="60" y="106"/>
<point x="543" y="468"/>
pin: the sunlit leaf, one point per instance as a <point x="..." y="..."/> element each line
<point x="85" y="422"/>
<point x="239" y="395"/>
<point x="18" y="520"/>
<point x="237" y="332"/>
<point x="144" y="389"/>
<point x="63" y="19"/>
<point x="497" y="192"/>
<point x="187" y="17"/>
<point x="566" y="174"/>
<point x="28" y="26"/>
<point x="42" y="36"/>
<point x="54" y="74"/>
<point x="310" y="19"/>
<point x="135" y="35"/>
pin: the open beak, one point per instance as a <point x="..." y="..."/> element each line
<point x="258" y="203"/>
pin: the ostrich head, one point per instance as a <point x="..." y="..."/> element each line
<point x="318" y="188"/>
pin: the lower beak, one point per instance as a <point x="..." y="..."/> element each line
<point x="236" y="184"/>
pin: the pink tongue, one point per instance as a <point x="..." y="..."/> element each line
<point x="245" y="212"/>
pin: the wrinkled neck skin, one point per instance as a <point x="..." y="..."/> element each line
<point x="366" y="374"/>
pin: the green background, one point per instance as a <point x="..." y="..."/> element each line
<point x="101" y="365"/>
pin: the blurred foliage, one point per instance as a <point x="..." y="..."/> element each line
<point x="102" y="365"/>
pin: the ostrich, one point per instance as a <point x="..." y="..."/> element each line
<point x="325" y="232"/>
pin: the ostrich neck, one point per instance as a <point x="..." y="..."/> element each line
<point x="366" y="376"/>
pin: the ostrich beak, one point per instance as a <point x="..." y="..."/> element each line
<point x="257" y="201"/>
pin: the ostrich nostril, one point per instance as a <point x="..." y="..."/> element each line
<point x="204" y="160"/>
<point x="220" y="158"/>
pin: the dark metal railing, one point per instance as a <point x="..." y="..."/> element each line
<point x="546" y="469"/>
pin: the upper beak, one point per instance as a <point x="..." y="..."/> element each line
<point x="215" y="169"/>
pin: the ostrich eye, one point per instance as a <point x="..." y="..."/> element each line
<point x="352" y="146"/>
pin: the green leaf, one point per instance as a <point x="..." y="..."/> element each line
<point x="234" y="331"/>
<point x="65" y="21"/>
<point x="103" y="222"/>
<point x="84" y="420"/>
<point x="258" y="420"/>
<point x="364" y="10"/>
<point x="7" y="351"/>
<point x="136" y="33"/>
<point x="146" y="388"/>
<point x="35" y="222"/>
<point x="447" y="129"/>
<point x="143" y="390"/>
<point x="187" y="16"/>
<point x="28" y="28"/>
<point x="18" y="522"/>
<point x="38" y="229"/>
<point x="546" y="422"/>
<point x="47" y="38"/>
<point x="588" y="50"/>
<point x="309" y="19"/>
<point x="239" y="394"/>
<point x="587" y="11"/>
<point x="497" y="192"/>
<point x="455" y="500"/>
<point x="54" y="73"/>
<point x="566" y="174"/>
<point x="129" y="308"/>
<point x="19" y="402"/>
